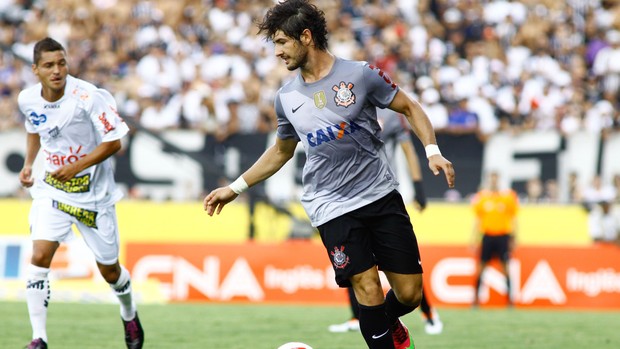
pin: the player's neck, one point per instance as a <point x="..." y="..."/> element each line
<point x="52" y="95"/>
<point x="319" y="64"/>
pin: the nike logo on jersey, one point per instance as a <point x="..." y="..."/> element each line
<point x="374" y="336"/>
<point x="296" y="109"/>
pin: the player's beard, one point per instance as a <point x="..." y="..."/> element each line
<point x="300" y="60"/>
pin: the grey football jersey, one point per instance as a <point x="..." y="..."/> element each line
<point x="335" y="119"/>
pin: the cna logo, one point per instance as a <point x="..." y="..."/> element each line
<point x="37" y="119"/>
<point x="331" y="133"/>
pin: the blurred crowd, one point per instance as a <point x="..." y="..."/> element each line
<point x="477" y="66"/>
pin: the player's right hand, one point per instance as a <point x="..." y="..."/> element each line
<point x="25" y="177"/>
<point x="217" y="199"/>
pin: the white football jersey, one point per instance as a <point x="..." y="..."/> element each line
<point x="69" y="129"/>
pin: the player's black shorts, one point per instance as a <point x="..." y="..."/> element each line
<point x="495" y="246"/>
<point x="379" y="234"/>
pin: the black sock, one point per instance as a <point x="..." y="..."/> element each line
<point x="426" y="308"/>
<point x="394" y="308"/>
<point x="375" y="327"/>
<point x="355" y="309"/>
<point x="508" y="290"/>
<point x="478" y="283"/>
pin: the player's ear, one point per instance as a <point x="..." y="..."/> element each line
<point x="306" y="37"/>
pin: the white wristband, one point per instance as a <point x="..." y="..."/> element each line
<point x="432" y="149"/>
<point x="239" y="185"/>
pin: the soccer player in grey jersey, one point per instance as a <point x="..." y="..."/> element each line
<point x="395" y="131"/>
<point x="349" y="189"/>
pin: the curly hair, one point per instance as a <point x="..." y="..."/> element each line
<point x="45" y="45"/>
<point x="294" y="16"/>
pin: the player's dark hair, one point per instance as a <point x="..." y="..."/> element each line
<point x="294" y="16"/>
<point x="46" y="45"/>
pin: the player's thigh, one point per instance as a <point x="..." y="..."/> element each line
<point x="502" y="247"/>
<point x="394" y="243"/>
<point x="347" y="243"/>
<point x="49" y="223"/>
<point x="103" y="239"/>
<point x="487" y="248"/>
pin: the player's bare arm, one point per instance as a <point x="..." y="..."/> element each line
<point x="419" y="201"/>
<point x="98" y="155"/>
<point x="269" y="163"/>
<point x="33" y="144"/>
<point x="423" y="129"/>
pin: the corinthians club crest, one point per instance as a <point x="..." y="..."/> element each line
<point x="339" y="258"/>
<point x="344" y="96"/>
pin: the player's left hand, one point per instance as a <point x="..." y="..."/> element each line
<point x="65" y="173"/>
<point x="217" y="199"/>
<point x="437" y="163"/>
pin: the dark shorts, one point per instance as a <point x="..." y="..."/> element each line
<point x="495" y="246"/>
<point x="378" y="234"/>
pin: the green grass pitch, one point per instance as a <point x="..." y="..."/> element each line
<point x="239" y="326"/>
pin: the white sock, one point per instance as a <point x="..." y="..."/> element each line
<point x="122" y="289"/>
<point x="37" y="297"/>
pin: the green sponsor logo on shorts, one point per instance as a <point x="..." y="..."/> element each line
<point x="79" y="184"/>
<point x="89" y="218"/>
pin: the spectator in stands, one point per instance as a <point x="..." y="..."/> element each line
<point x="461" y="120"/>
<point x="162" y="112"/>
<point x="533" y="190"/>
<point x="552" y="193"/>
<point x="507" y="46"/>
<point x="574" y="188"/>
<point x="598" y="200"/>
<point x="510" y="118"/>
<point x="437" y="112"/>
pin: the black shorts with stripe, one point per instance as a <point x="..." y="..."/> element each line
<point x="378" y="234"/>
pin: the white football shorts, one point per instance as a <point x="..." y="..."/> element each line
<point x="52" y="220"/>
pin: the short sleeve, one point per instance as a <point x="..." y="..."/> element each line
<point x="105" y="117"/>
<point x="380" y="88"/>
<point x="21" y="102"/>
<point x="285" y="128"/>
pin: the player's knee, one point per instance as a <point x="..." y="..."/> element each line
<point x="369" y="293"/>
<point x="110" y="273"/>
<point x="410" y="297"/>
<point x="41" y="258"/>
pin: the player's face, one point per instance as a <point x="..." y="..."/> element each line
<point x="52" y="70"/>
<point x="291" y="51"/>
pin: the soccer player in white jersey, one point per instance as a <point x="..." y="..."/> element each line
<point x="349" y="189"/>
<point x="77" y="128"/>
